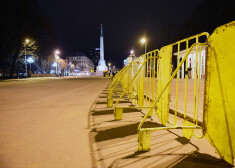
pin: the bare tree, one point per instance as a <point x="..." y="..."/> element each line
<point x="19" y="19"/>
<point x="46" y="63"/>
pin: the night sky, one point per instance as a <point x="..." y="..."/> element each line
<point x="76" y="24"/>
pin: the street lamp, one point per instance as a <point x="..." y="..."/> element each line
<point x="144" y="41"/>
<point x="30" y="60"/>
<point x="25" y="50"/>
<point x="57" y="52"/>
<point x="132" y="52"/>
<point x="72" y="67"/>
<point x="109" y="65"/>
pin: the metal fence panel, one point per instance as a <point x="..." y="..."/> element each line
<point x="220" y="94"/>
<point x="140" y="90"/>
<point x="163" y="75"/>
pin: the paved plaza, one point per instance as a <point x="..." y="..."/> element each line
<point x="181" y="95"/>
<point x="43" y="122"/>
<point x="65" y="122"/>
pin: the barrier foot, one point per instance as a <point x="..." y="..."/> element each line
<point x="144" y="140"/>
<point x="118" y="113"/>
<point x="187" y="133"/>
<point x="110" y="100"/>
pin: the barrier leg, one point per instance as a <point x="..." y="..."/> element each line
<point x="118" y="113"/>
<point x="109" y="99"/>
<point x="144" y="140"/>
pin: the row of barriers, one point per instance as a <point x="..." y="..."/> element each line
<point x="188" y="85"/>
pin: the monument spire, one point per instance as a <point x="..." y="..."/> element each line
<point x="101" y="30"/>
<point x="102" y="66"/>
<point x="101" y="43"/>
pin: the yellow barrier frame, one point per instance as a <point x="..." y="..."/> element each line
<point x="144" y="134"/>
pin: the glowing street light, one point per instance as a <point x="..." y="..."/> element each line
<point x="109" y="65"/>
<point x="132" y="52"/>
<point x="54" y="64"/>
<point x="57" y="52"/>
<point x="30" y="60"/>
<point x="26" y="41"/>
<point x="144" y="41"/>
<point x="25" y="51"/>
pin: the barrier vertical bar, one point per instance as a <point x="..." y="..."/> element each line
<point x="195" y="83"/>
<point x="199" y="70"/>
<point x="177" y="83"/>
<point x="186" y="84"/>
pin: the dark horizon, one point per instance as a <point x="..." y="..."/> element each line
<point x="76" y="25"/>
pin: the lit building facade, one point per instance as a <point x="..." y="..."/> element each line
<point x="192" y="62"/>
<point x="94" y="54"/>
<point x="129" y="59"/>
<point x="79" y="64"/>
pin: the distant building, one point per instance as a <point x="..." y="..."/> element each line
<point x="94" y="54"/>
<point x="129" y="59"/>
<point x="79" y="64"/>
<point x="192" y="62"/>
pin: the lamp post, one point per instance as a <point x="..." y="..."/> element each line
<point x="25" y="50"/>
<point x="144" y="41"/>
<point x="109" y="65"/>
<point x="30" y="61"/>
<point x="69" y="68"/>
<point x="132" y="52"/>
<point x="72" y="67"/>
<point x="57" y="52"/>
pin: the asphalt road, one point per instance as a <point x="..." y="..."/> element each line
<point x="43" y="122"/>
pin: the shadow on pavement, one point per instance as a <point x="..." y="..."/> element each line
<point x="113" y="143"/>
<point x="195" y="160"/>
<point x="104" y="102"/>
<point x="182" y="140"/>
<point x="116" y="132"/>
<point x="109" y="133"/>
<point x="111" y="111"/>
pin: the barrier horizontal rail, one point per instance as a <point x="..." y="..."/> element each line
<point x="172" y="79"/>
<point x="141" y="139"/>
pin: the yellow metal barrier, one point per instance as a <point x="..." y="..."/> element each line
<point x="218" y="122"/>
<point x="162" y="101"/>
<point x="164" y="82"/>
<point x="117" y="80"/>
<point x="141" y="83"/>
<point x="159" y="81"/>
<point x="219" y="105"/>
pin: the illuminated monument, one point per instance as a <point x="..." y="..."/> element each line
<point x="101" y="66"/>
